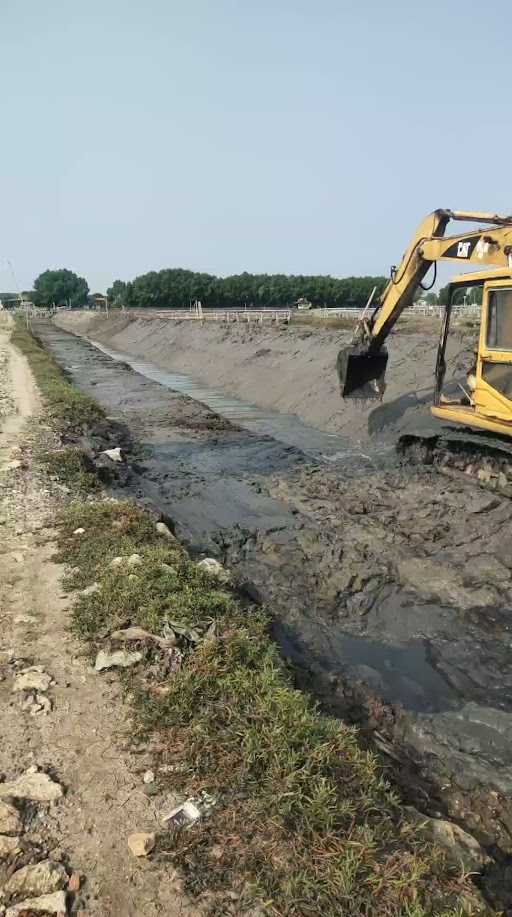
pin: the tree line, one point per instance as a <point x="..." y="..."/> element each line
<point x="177" y="288"/>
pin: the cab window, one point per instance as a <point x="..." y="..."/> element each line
<point x="499" y="320"/>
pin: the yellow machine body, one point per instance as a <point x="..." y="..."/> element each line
<point x="490" y="406"/>
<point x="487" y="404"/>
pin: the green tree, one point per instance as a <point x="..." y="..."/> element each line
<point x="431" y="299"/>
<point x="61" y="287"/>
<point x="117" y="293"/>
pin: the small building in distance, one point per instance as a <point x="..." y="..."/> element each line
<point x="98" y="301"/>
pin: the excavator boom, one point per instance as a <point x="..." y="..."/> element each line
<point x="361" y="367"/>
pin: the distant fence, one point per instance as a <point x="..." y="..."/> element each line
<point x="256" y="316"/>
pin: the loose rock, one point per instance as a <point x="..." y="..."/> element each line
<point x="141" y="843"/>
<point x="10" y="819"/>
<point x="120" y="659"/>
<point x="8" y="846"/>
<point x="460" y="846"/>
<point x="36" y="786"/>
<point x="214" y="569"/>
<point x="44" y="904"/>
<point x="114" y="455"/>
<point x="32" y="681"/>
<point x="134" y="560"/>
<point x="79" y="532"/>
<point x="164" y="530"/>
<point x="91" y="590"/>
<point x="36" y="879"/>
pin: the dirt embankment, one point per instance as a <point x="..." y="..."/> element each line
<point x="285" y="368"/>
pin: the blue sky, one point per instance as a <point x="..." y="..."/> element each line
<point x="304" y="137"/>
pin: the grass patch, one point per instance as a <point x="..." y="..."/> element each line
<point x="71" y="466"/>
<point x="70" y="413"/>
<point x="305" y="820"/>
<point x="69" y="409"/>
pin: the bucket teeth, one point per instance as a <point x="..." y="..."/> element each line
<point x="361" y="373"/>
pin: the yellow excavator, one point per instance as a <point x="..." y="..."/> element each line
<point x="486" y="402"/>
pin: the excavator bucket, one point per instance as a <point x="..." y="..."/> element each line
<point x="361" y="373"/>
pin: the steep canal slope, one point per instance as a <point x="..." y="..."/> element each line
<point x="391" y="589"/>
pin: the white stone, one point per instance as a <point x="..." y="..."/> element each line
<point x="32" y="681"/>
<point x="214" y="569"/>
<point x="91" y="590"/>
<point x="113" y="454"/>
<point x="164" y="530"/>
<point x="8" y="846"/>
<point x="44" y="904"/>
<point x="10" y="819"/>
<point x="37" y="786"/>
<point x="119" y="659"/>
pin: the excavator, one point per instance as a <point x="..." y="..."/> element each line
<point x="476" y="431"/>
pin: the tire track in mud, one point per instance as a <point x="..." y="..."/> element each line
<point x="390" y="589"/>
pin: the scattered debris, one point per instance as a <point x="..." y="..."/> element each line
<point x="119" y="659"/>
<point x="75" y="881"/>
<point x="148" y="777"/>
<point x="191" y="810"/>
<point x="41" y="878"/>
<point x="115" y="455"/>
<point x="44" y="904"/>
<point x="133" y="634"/>
<point x="214" y="569"/>
<point x="37" y="786"/>
<point x="141" y="843"/>
<point x="79" y="532"/>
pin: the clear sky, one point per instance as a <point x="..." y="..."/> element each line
<point x="295" y="136"/>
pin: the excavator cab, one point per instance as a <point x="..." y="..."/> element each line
<point x="487" y="404"/>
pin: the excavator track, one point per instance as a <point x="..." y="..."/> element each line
<point x="461" y="451"/>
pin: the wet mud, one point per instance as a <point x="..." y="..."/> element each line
<point x="390" y="587"/>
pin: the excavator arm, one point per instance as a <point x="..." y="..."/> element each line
<point x="361" y="367"/>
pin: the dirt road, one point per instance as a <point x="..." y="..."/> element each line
<point x="71" y="726"/>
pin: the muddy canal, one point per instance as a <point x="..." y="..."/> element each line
<point x="391" y="588"/>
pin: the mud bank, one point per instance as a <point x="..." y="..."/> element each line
<point x="285" y="368"/>
<point x="391" y="589"/>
